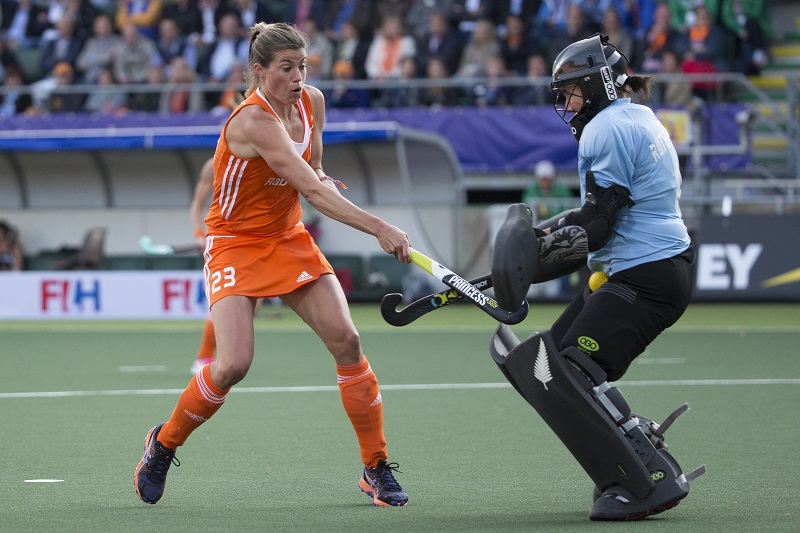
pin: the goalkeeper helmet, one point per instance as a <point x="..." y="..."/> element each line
<point x="597" y="68"/>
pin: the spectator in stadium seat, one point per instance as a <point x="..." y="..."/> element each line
<point x="481" y="47"/>
<point x="188" y="17"/>
<point x="148" y="101"/>
<point x="107" y="98"/>
<point x="83" y="13"/>
<point x="550" y="20"/>
<point x="535" y="94"/>
<point x="702" y="49"/>
<point x="465" y="14"/>
<point x="23" y="23"/>
<point x="65" y="47"/>
<point x="387" y="48"/>
<point x="639" y="16"/>
<point x="749" y="21"/>
<point x="212" y="12"/>
<point x="97" y="52"/>
<point x="419" y="15"/>
<point x="297" y="11"/>
<point x="684" y="14"/>
<point x="144" y="14"/>
<point x="391" y="8"/>
<point x="172" y="43"/>
<point x="183" y="94"/>
<point x="133" y="55"/>
<point x="62" y="99"/>
<point x="494" y="91"/>
<point x="232" y="95"/>
<point x="352" y="47"/>
<point x="403" y="94"/>
<point x="436" y="96"/>
<point x="225" y="50"/>
<point x="595" y="10"/>
<point x="271" y="254"/>
<point x="342" y="95"/>
<point x="12" y="256"/>
<point x="361" y="13"/>
<point x="250" y="12"/>
<point x="578" y="27"/>
<point x="677" y="92"/>
<point x="8" y="57"/>
<point x="517" y="45"/>
<point x="439" y="39"/>
<point x="320" y="51"/>
<point x="658" y="39"/>
<point x="14" y="100"/>
<point x="704" y="41"/>
<point x="523" y="10"/>
<point x="611" y="26"/>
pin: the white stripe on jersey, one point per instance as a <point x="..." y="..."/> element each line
<point x="224" y="179"/>
<point x="232" y="185"/>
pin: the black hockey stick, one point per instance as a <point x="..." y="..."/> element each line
<point x="147" y="246"/>
<point x="426" y="304"/>
<point x="486" y="303"/>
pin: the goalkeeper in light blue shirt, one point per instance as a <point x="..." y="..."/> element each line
<point x="630" y="233"/>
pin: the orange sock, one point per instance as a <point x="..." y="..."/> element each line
<point x="361" y="398"/>
<point x="208" y="342"/>
<point x="198" y="403"/>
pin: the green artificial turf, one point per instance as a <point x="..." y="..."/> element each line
<point x="77" y="398"/>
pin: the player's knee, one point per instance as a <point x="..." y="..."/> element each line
<point x="345" y="343"/>
<point x="229" y="374"/>
<point x="614" y="364"/>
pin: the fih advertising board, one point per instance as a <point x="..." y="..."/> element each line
<point x="745" y="258"/>
<point x="55" y="295"/>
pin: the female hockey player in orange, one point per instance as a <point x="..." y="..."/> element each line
<point x="268" y="154"/>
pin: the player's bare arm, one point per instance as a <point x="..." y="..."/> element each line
<point x="253" y="132"/>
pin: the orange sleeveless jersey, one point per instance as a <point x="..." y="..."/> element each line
<point x="256" y="245"/>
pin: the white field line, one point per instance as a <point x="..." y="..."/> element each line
<point x="407" y="387"/>
<point x="144" y="368"/>
<point x="660" y="361"/>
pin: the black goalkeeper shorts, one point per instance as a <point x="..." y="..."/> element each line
<point x="614" y="324"/>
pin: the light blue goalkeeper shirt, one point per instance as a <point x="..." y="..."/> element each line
<point x="625" y="144"/>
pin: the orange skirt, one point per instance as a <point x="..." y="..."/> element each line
<point x="261" y="267"/>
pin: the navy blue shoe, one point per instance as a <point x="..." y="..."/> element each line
<point x="150" y="475"/>
<point x="379" y="484"/>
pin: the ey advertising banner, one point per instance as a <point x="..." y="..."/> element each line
<point x="102" y="295"/>
<point x="748" y="258"/>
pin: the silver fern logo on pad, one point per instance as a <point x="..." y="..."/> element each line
<point x="541" y="368"/>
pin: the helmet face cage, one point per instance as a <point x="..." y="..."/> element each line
<point x="562" y="96"/>
<point x="584" y="64"/>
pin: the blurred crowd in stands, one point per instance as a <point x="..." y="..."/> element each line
<point x="122" y="47"/>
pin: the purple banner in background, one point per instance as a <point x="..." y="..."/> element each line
<point x="496" y="139"/>
<point x="721" y="128"/>
<point x="486" y="140"/>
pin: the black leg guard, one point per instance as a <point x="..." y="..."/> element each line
<point x="634" y="477"/>
<point x="515" y="257"/>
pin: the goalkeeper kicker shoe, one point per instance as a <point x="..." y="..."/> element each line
<point x="379" y="484"/>
<point x="150" y="475"/>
